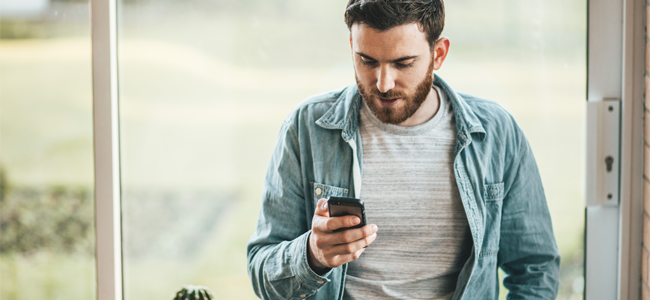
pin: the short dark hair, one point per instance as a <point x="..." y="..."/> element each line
<point x="386" y="14"/>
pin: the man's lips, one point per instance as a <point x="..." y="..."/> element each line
<point x="388" y="102"/>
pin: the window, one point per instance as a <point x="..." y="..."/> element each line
<point x="47" y="235"/>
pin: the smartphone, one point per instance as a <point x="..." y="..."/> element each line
<point x="341" y="206"/>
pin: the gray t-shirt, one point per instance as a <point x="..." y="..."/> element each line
<point x="410" y="192"/>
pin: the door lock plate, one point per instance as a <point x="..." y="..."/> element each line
<point x="603" y="154"/>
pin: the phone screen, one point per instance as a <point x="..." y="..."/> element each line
<point x="345" y="209"/>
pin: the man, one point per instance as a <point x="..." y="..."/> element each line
<point x="451" y="188"/>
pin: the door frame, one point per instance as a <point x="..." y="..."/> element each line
<point x="615" y="62"/>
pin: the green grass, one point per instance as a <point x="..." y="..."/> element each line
<point x="47" y="276"/>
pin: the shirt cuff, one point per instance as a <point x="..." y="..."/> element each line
<point x="300" y="264"/>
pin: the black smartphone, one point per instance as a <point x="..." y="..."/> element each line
<point x="341" y="206"/>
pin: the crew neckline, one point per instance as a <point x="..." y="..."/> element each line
<point x="414" y="130"/>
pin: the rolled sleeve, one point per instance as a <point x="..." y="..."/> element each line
<point x="301" y="267"/>
<point x="310" y="281"/>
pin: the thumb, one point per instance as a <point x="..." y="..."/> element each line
<point x="321" y="208"/>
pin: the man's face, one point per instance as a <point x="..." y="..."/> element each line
<point x="394" y="69"/>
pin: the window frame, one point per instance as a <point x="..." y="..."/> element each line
<point x="103" y="19"/>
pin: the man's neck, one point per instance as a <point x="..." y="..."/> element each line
<point x="427" y="110"/>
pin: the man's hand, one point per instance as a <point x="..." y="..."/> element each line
<point x="328" y="249"/>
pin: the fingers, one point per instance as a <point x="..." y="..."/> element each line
<point x="335" y="223"/>
<point x="345" y="242"/>
<point x="339" y="260"/>
<point x="332" y="249"/>
<point x="321" y="208"/>
<point x="353" y="247"/>
<point x="350" y="235"/>
<point x="325" y="223"/>
<point x="345" y="253"/>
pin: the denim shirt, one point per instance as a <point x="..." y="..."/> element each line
<point x="318" y="154"/>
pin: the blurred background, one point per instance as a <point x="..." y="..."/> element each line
<point x="204" y="86"/>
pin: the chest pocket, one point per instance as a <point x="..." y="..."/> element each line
<point x="320" y="190"/>
<point x="493" y="197"/>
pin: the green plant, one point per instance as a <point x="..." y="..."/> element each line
<point x="194" y="292"/>
<point x="58" y="219"/>
<point x="3" y="185"/>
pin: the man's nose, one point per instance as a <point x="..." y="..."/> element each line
<point x="385" y="80"/>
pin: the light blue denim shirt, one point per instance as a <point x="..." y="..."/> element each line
<point x="318" y="154"/>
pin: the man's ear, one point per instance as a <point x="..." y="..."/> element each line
<point x="440" y="51"/>
<point x="350" y="40"/>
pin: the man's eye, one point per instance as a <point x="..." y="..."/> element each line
<point x="401" y="65"/>
<point x="367" y="62"/>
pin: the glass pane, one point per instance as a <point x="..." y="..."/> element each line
<point x="205" y="85"/>
<point x="47" y="234"/>
<point x="530" y="56"/>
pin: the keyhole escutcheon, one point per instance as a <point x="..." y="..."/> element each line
<point x="609" y="161"/>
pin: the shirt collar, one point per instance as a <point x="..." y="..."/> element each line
<point x="344" y="113"/>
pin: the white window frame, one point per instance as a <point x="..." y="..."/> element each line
<point x="616" y="45"/>
<point x="103" y="20"/>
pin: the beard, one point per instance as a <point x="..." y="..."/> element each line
<point x="411" y="101"/>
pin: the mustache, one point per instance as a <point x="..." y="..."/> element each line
<point x="387" y="95"/>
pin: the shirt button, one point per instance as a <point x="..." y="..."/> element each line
<point x="320" y="282"/>
<point x="318" y="191"/>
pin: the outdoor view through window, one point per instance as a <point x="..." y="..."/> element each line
<point x="203" y="87"/>
<point x="47" y="232"/>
